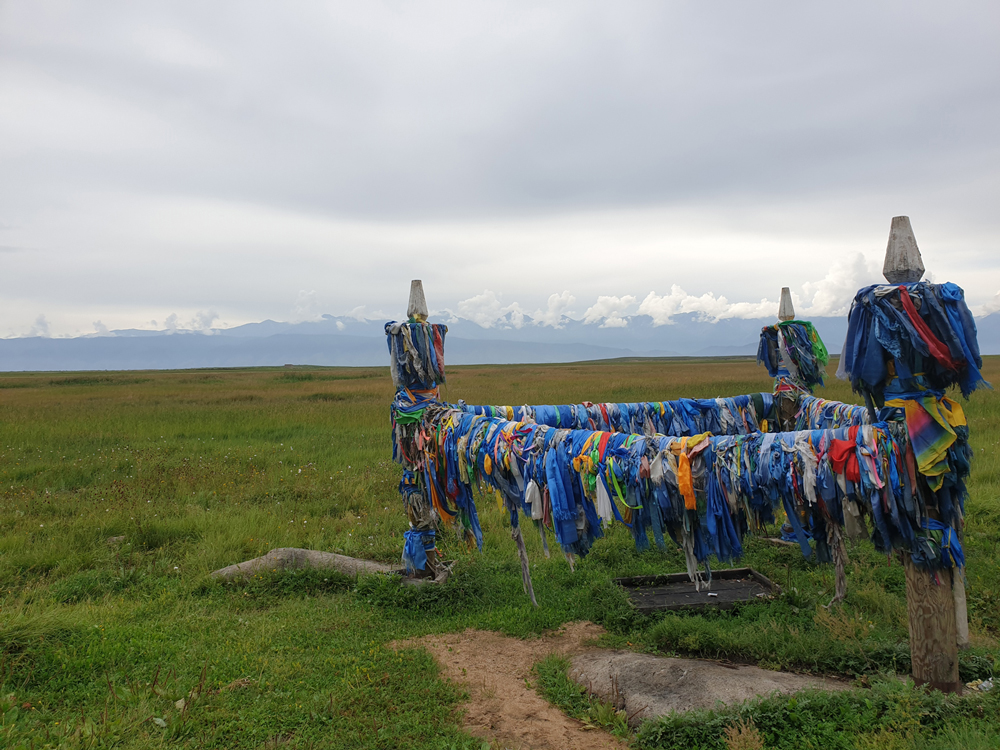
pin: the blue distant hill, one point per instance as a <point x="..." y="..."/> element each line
<point x="350" y="342"/>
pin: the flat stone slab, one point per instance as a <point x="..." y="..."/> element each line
<point x="291" y="558"/>
<point x="647" y="686"/>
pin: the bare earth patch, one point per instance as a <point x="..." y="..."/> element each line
<point x="504" y="707"/>
<point x="496" y="672"/>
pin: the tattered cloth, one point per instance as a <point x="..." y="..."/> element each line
<point x="705" y="492"/>
<point x="911" y="331"/>
<point x="803" y="348"/>
<point x="416" y="354"/>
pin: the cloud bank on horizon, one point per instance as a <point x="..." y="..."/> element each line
<point x="193" y="166"/>
<point x="830" y="296"/>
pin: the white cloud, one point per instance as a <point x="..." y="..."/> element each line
<point x="306" y="306"/>
<point x="40" y="327"/>
<point x="832" y="295"/>
<point x="202" y="321"/>
<point x="361" y="314"/>
<point x="981" y="311"/>
<point x="662" y="308"/>
<point x="557" y="306"/>
<point x="487" y="310"/>
<point x="100" y="329"/>
<point x="151" y="150"/>
<point x="483" y="309"/>
<point x="610" y="310"/>
<point x="706" y="260"/>
<point x="340" y="325"/>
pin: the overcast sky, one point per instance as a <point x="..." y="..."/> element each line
<point x="229" y="162"/>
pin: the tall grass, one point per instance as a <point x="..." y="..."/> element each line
<point x="120" y="492"/>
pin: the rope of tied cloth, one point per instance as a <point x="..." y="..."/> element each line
<point x="704" y="492"/>
<point x="685" y="416"/>
<point x="737" y="415"/>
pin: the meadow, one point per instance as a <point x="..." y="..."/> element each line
<point x="121" y="491"/>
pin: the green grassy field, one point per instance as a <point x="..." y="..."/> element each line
<point x="132" y="645"/>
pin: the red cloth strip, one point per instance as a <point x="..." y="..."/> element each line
<point x="938" y="350"/>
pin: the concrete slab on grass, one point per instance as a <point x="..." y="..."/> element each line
<point x="648" y="686"/>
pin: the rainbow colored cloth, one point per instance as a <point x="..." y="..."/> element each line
<point x="931" y="422"/>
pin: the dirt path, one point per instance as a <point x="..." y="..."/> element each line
<point x="494" y="669"/>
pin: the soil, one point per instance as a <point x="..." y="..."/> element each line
<point x="503" y="705"/>
<point x="505" y="709"/>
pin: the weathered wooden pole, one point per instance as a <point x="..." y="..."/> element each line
<point x="786" y="401"/>
<point x="787" y="406"/>
<point x="903" y="264"/>
<point x="930" y="597"/>
<point x="417" y="363"/>
<point x="416" y="310"/>
<point x="421" y="513"/>
<point x="416" y="307"/>
<point x="785" y="309"/>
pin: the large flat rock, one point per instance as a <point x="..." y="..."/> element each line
<point x="294" y="558"/>
<point x="649" y="686"/>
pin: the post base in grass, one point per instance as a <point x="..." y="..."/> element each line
<point x="430" y="569"/>
<point x="930" y="604"/>
<point x="439" y="574"/>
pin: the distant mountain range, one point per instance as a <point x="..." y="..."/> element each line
<point x="347" y="341"/>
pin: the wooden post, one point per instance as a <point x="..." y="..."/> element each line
<point x="785" y="309"/>
<point x="903" y="263"/>
<point x="961" y="609"/>
<point x="786" y="402"/>
<point x="786" y="405"/>
<point x="930" y="599"/>
<point x="933" y="631"/>
<point x="416" y="309"/>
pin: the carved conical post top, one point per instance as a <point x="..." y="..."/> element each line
<point x="417" y="307"/>
<point x="785" y="309"/>
<point x="902" y="256"/>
